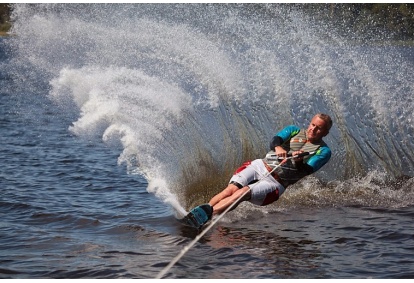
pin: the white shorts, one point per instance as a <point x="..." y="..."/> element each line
<point x="264" y="188"/>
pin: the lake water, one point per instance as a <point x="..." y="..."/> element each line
<point x="117" y="118"/>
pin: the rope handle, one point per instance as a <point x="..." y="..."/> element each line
<point x="294" y="156"/>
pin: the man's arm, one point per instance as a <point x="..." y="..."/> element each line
<point x="276" y="141"/>
<point x="284" y="135"/>
<point x="321" y="157"/>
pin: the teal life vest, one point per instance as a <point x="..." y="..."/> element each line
<point x="291" y="172"/>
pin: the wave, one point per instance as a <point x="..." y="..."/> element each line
<point x="189" y="92"/>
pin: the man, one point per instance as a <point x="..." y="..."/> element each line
<point x="263" y="181"/>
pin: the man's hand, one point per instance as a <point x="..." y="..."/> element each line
<point x="299" y="159"/>
<point x="280" y="152"/>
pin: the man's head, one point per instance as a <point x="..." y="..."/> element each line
<point x="318" y="127"/>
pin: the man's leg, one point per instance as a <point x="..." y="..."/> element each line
<point x="228" y="191"/>
<point x="227" y="197"/>
<point x="243" y="175"/>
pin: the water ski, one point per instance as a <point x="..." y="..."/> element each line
<point x="198" y="216"/>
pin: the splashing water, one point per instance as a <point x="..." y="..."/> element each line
<point x="188" y="92"/>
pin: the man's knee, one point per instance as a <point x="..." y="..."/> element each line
<point x="230" y="190"/>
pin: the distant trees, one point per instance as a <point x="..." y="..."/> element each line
<point x="398" y="18"/>
<point x="395" y="20"/>
<point x="4" y="17"/>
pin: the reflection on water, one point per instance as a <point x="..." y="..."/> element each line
<point x="274" y="256"/>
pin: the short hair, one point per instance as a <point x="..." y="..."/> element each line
<point x="326" y="118"/>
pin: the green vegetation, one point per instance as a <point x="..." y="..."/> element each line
<point x="394" y="21"/>
<point x="4" y="18"/>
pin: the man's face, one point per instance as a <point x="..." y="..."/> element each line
<point x="317" y="129"/>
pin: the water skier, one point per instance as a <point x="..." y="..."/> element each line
<point x="263" y="181"/>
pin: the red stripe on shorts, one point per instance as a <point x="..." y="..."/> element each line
<point x="241" y="168"/>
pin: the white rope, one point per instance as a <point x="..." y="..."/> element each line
<point x="192" y="243"/>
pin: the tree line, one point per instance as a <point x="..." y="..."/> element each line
<point x="395" y="20"/>
<point x="5" y="24"/>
